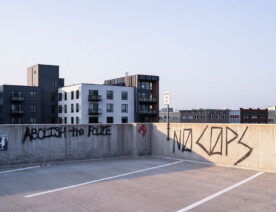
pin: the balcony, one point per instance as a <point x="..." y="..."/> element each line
<point x="148" y="112"/>
<point x="17" y="112"/>
<point x="17" y="98"/>
<point x="147" y="100"/>
<point x="94" y="111"/>
<point x="94" y="98"/>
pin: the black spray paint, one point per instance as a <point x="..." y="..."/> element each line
<point x="187" y="139"/>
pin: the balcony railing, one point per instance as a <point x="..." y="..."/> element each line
<point x="94" y="111"/>
<point x="17" y="98"/>
<point x="17" y="112"/>
<point x="94" y="98"/>
<point x="144" y="99"/>
<point x="147" y="112"/>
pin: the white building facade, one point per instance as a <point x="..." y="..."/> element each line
<point x="234" y="116"/>
<point x="89" y="103"/>
<point x="271" y="114"/>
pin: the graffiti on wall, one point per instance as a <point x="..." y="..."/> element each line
<point x="57" y="132"/>
<point x="142" y="130"/>
<point x="3" y="142"/>
<point x="184" y="141"/>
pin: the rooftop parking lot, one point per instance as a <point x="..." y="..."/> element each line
<point x="135" y="184"/>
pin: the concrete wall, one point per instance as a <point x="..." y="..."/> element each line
<point x="239" y="145"/>
<point x="46" y="143"/>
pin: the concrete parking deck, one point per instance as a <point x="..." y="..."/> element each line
<point x="135" y="184"/>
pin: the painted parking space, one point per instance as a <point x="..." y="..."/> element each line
<point x="134" y="184"/>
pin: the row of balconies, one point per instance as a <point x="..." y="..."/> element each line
<point x="17" y="112"/>
<point x="142" y="112"/>
<point x="17" y="98"/>
<point x="94" y="98"/>
<point x="149" y="100"/>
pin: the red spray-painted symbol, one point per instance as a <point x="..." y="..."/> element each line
<point x="142" y="130"/>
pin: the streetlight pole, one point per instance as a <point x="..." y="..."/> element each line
<point x="168" y="124"/>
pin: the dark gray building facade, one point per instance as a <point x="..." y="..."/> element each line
<point x="146" y="95"/>
<point x="204" y="116"/>
<point x="35" y="103"/>
<point x="46" y="77"/>
<point x="20" y="104"/>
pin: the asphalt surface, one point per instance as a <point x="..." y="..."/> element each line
<point x="135" y="184"/>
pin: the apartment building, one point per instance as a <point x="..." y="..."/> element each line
<point x="89" y="103"/>
<point x="174" y="115"/>
<point x="46" y="77"/>
<point x="20" y="104"/>
<point x="254" y="116"/>
<point x="146" y="95"/>
<point x="271" y="114"/>
<point x="204" y="116"/>
<point x="234" y="116"/>
<point x="34" y="103"/>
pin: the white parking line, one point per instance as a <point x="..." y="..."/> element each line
<point x="219" y="193"/>
<point x="16" y="170"/>
<point x="103" y="179"/>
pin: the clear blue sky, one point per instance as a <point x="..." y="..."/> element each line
<point x="209" y="54"/>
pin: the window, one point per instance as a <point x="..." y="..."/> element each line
<point x="53" y="84"/>
<point x="33" y="120"/>
<point x="77" y="94"/>
<point x="146" y="85"/>
<point x="124" y="108"/>
<point x="72" y="120"/>
<point x="93" y="120"/>
<point x="60" y="120"/>
<point x="54" y="120"/>
<point x="65" y="95"/>
<point x="53" y="109"/>
<point x="124" y="95"/>
<point x="32" y="95"/>
<point x="224" y="116"/>
<point x="60" y="109"/>
<point x="16" y="93"/>
<point x="16" y="107"/>
<point x="184" y="117"/>
<point x="124" y="120"/>
<point x="175" y="118"/>
<point x="77" y="120"/>
<point x="53" y="97"/>
<point x="16" y="120"/>
<point x="65" y="108"/>
<point x="65" y="120"/>
<point x="72" y="108"/>
<point x="211" y="116"/>
<point x="72" y="94"/>
<point x="94" y="95"/>
<point x="109" y="94"/>
<point x="60" y="97"/>
<point x="93" y="106"/>
<point x="109" y="119"/>
<point x="190" y="117"/>
<point x="77" y="107"/>
<point x="32" y="108"/>
<point x="196" y="116"/>
<point x="109" y="108"/>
